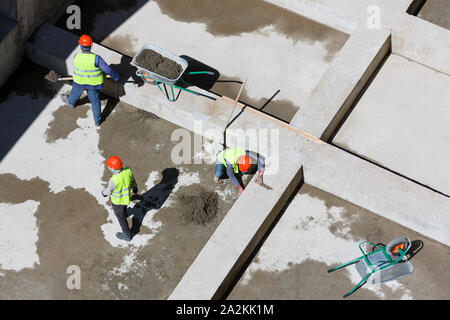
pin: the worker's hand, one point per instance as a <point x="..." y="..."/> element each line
<point x="135" y="190"/>
<point x="104" y="194"/>
<point x="240" y="191"/>
<point x="259" y="178"/>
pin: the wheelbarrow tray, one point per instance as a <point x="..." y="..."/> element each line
<point x="166" y="54"/>
<point x="378" y="260"/>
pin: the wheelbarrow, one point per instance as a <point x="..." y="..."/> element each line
<point x="163" y="82"/>
<point x="381" y="265"/>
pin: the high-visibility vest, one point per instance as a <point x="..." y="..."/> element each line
<point x="85" y="71"/>
<point x="122" y="181"/>
<point x="231" y="155"/>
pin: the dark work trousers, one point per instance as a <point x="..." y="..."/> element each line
<point x="121" y="213"/>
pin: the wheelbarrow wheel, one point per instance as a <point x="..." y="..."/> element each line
<point x="393" y="246"/>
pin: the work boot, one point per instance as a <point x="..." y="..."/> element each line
<point x="65" y="99"/>
<point x="123" y="236"/>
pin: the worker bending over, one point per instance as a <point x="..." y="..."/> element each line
<point x="119" y="189"/>
<point x="88" y="71"/>
<point x="233" y="161"/>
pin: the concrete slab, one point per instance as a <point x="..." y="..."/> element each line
<point x="319" y="231"/>
<point x="55" y="217"/>
<point x="437" y="12"/>
<point x="391" y="123"/>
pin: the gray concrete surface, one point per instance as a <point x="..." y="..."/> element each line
<point x="390" y="125"/>
<point x="240" y="41"/>
<point x="324" y="166"/>
<point x="319" y="231"/>
<point x="332" y="169"/>
<point x="437" y="12"/>
<point x="53" y="215"/>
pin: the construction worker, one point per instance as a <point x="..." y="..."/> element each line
<point x="119" y="189"/>
<point x="233" y="161"/>
<point x="88" y="71"/>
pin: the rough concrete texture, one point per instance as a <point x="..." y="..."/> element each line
<point x="54" y="215"/>
<point x="390" y="125"/>
<point x="332" y="169"/>
<point x="437" y="12"/>
<point x="319" y="231"/>
<point x="241" y="41"/>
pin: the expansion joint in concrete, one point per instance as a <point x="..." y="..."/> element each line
<point x="394" y="172"/>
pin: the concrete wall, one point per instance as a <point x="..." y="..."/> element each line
<point x="22" y="17"/>
<point x="8" y="9"/>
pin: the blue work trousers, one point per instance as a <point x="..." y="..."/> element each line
<point x="94" y="98"/>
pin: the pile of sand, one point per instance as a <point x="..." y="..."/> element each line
<point x="156" y="63"/>
<point x="200" y="206"/>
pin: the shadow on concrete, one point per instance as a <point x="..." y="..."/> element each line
<point x="416" y="246"/>
<point x="100" y="18"/>
<point x="126" y="71"/>
<point x="22" y="99"/>
<point x="108" y="109"/>
<point x="153" y="198"/>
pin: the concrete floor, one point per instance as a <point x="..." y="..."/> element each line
<point x="52" y="161"/>
<point x="319" y="231"/>
<point x="54" y="216"/>
<point x="402" y="121"/>
<point x="240" y="41"/>
<point x="437" y="12"/>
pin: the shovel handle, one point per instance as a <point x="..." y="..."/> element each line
<point x="71" y="78"/>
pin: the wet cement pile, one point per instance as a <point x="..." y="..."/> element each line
<point x="156" y="63"/>
<point x="199" y="206"/>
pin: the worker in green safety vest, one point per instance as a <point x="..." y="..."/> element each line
<point x="119" y="189"/>
<point x="88" y="69"/>
<point x="235" y="161"/>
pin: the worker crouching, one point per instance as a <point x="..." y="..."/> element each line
<point x="235" y="161"/>
<point x="119" y="190"/>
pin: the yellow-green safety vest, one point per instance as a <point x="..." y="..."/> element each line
<point x="85" y="71"/>
<point x="231" y="155"/>
<point x="122" y="181"/>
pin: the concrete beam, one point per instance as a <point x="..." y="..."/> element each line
<point x="11" y="53"/>
<point x="421" y="41"/>
<point x="237" y="236"/>
<point x="340" y="86"/>
<point x="319" y="12"/>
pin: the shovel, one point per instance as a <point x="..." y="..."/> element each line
<point x="54" y="77"/>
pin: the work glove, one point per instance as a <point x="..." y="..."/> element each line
<point x="135" y="190"/>
<point x="259" y="178"/>
<point x="104" y="195"/>
<point x="240" y="190"/>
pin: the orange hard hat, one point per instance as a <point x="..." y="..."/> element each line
<point x="85" y="40"/>
<point x="244" y="163"/>
<point x="114" y="163"/>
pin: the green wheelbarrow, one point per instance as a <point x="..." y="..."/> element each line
<point x="163" y="82"/>
<point x="381" y="265"/>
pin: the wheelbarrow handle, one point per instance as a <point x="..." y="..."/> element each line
<point x="201" y="72"/>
